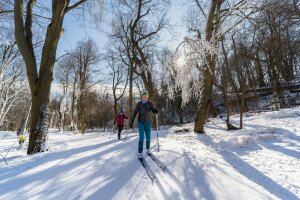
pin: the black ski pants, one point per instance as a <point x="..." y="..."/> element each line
<point x="120" y="127"/>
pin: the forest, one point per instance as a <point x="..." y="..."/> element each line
<point x="235" y="56"/>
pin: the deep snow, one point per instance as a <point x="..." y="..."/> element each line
<point x="261" y="161"/>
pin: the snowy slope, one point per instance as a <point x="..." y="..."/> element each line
<point x="259" y="162"/>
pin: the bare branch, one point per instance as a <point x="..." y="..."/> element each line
<point x="23" y="44"/>
<point x="6" y="11"/>
<point x="75" y="5"/>
<point x="200" y="7"/>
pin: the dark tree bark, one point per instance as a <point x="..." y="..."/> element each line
<point x="39" y="80"/>
<point x="130" y="97"/>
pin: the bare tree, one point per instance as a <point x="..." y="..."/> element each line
<point x="207" y="24"/>
<point x="119" y="76"/>
<point x="40" y="78"/>
<point x="138" y="35"/>
<point x="85" y="57"/>
<point x="11" y="74"/>
<point x="167" y="62"/>
<point x="65" y="75"/>
<point x="18" y="113"/>
<point x="105" y="108"/>
<point x="277" y="44"/>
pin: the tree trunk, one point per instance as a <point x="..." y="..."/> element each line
<point x="181" y="116"/>
<point x="115" y="99"/>
<point x="149" y="85"/>
<point x="203" y="105"/>
<point x="60" y="121"/>
<point x="212" y="110"/>
<point x="208" y="70"/>
<point x="73" y="123"/>
<point x="259" y="71"/>
<point x="241" y="112"/>
<point x="130" y="97"/>
<point x="81" y="113"/>
<point x="39" y="80"/>
<point x="225" y="78"/>
<point x="227" y="108"/>
<point x="116" y="106"/>
<point x="39" y="119"/>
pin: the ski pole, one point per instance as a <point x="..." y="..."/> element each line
<point x="130" y="129"/>
<point x="4" y="157"/>
<point x="126" y="135"/>
<point x="158" y="147"/>
<point x="157" y="142"/>
<point x="113" y="131"/>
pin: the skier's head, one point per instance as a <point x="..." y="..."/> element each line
<point x="145" y="96"/>
<point x="122" y="111"/>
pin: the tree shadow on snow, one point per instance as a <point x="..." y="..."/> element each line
<point x="90" y="187"/>
<point x="14" y="182"/>
<point x="270" y="143"/>
<point x="250" y="172"/>
<point x="278" y="131"/>
<point x="116" y="180"/>
<point x="216" y="126"/>
<point x="192" y="175"/>
<point x="197" y="174"/>
<point x="288" y="152"/>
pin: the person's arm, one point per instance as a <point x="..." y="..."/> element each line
<point x="125" y="117"/>
<point x="133" y="115"/>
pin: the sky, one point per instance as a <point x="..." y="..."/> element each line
<point x="75" y="32"/>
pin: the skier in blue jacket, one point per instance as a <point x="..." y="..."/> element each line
<point x="144" y="108"/>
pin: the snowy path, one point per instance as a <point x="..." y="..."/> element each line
<point x="259" y="162"/>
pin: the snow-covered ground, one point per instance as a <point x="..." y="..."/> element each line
<point x="261" y="161"/>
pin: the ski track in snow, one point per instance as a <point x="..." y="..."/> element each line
<point x="260" y="161"/>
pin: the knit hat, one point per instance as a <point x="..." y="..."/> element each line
<point x="145" y="93"/>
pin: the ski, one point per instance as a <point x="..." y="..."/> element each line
<point x="147" y="169"/>
<point x="157" y="161"/>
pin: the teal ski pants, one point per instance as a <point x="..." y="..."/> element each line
<point x="144" y="129"/>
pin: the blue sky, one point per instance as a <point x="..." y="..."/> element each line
<point x="75" y="32"/>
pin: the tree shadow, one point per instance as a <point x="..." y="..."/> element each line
<point x="278" y="131"/>
<point x="136" y="187"/>
<point x="274" y="147"/>
<point x="257" y="145"/>
<point x="13" y="158"/>
<point x="116" y="179"/>
<point x="57" y="172"/>
<point x="160" y="186"/>
<point x="288" y="152"/>
<point x="191" y="173"/>
<point x="43" y="158"/>
<point x="197" y="174"/>
<point x="250" y="172"/>
<point x="216" y="127"/>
